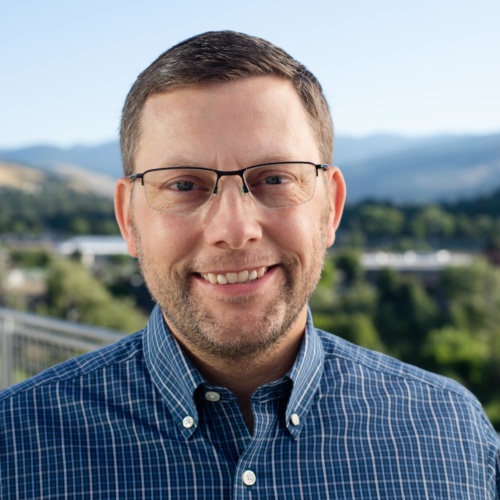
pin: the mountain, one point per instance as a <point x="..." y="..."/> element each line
<point x="32" y="180"/>
<point x="379" y="167"/>
<point x="34" y="202"/>
<point x="352" y="149"/>
<point x="103" y="158"/>
<point x="442" y="168"/>
<point x="22" y="178"/>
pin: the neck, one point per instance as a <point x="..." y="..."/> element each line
<point x="243" y="376"/>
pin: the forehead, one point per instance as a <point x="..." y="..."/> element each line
<point x="239" y="121"/>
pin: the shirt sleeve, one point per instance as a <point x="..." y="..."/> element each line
<point x="497" y="469"/>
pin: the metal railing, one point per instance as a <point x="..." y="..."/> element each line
<point x="30" y="343"/>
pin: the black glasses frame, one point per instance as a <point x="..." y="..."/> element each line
<point x="224" y="173"/>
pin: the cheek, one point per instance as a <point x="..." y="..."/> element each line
<point x="165" y="238"/>
<point x="298" y="231"/>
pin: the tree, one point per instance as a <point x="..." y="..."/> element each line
<point x="348" y="264"/>
<point x="344" y="302"/>
<point x="405" y="313"/>
<point x="470" y="348"/>
<point x="473" y="296"/>
<point x="431" y="221"/>
<point x="357" y="328"/>
<point x="458" y="354"/>
<point x="381" y="220"/>
<point x="73" y="293"/>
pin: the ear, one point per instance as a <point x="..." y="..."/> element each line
<point x="123" y="213"/>
<point x="337" y="189"/>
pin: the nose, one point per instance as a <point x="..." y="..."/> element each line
<point x="232" y="218"/>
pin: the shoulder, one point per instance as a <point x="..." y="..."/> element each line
<point x="378" y="364"/>
<point x="93" y="365"/>
<point x="382" y="377"/>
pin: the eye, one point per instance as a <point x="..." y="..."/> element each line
<point x="275" y="179"/>
<point x="183" y="186"/>
<point x="269" y="177"/>
<point x="185" y="182"/>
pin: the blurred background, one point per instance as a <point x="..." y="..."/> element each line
<point x="414" y="95"/>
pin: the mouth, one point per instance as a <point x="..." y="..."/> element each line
<point x="236" y="277"/>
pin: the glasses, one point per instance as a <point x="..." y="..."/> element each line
<point x="184" y="190"/>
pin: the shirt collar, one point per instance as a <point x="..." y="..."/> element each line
<point x="177" y="379"/>
<point x="306" y="374"/>
<point x="172" y="372"/>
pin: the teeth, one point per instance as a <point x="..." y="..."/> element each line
<point x="231" y="278"/>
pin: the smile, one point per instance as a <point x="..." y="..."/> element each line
<point x="235" y="277"/>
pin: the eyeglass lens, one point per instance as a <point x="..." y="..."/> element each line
<point x="185" y="190"/>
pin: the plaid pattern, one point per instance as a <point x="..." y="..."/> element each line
<point x="345" y="423"/>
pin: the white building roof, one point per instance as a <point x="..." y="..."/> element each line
<point x="93" y="245"/>
<point x="414" y="261"/>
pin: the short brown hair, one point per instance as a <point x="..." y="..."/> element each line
<point x="222" y="56"/>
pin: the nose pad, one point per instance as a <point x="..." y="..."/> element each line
<point x="243" y="187"/>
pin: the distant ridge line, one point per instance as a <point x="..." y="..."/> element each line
<point x="386" y="167"/>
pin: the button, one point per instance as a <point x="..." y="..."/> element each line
<point x="249" y="478"/>
<point x="212" y="396"/>
<point x="295" y="419"/>
<point x="188" y="422"/>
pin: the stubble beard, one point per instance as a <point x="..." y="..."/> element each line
<point x="202" y="331"/>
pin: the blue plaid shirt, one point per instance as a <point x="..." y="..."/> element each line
<point x="136" y="420"/>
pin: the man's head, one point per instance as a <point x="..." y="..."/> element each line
<point x="234" y="274"/>
<point x="222" y="57"/>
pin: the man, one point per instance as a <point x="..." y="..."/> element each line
<point x="229" y="203"/>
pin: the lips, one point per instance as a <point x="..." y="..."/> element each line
<point x="232" y="278"/>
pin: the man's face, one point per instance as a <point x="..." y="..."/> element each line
<point x="229" y="126"/>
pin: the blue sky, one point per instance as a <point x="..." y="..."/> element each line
<point x="387" y="66"/>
